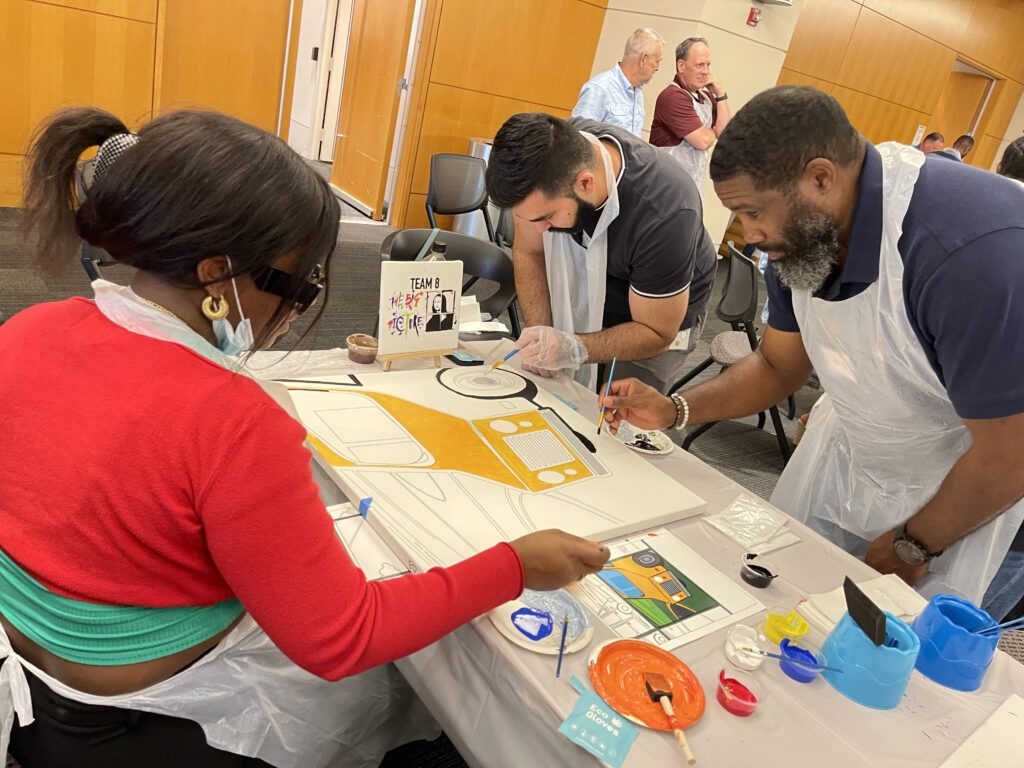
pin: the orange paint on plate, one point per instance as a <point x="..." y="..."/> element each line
<point x="617" y="670"/>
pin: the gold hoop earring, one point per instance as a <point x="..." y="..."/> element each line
<point x="214" y="311"/>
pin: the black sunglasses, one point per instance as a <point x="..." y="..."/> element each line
<point x="279" y="283"/>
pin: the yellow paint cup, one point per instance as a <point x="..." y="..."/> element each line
<point x="784" y="622"/>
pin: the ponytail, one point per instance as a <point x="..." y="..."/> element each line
<point x="51" y="199"/>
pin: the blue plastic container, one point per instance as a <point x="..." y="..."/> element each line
<point x="873" y="675"/>
<point x="951" y="653"/>
<point x="801" y="652"/>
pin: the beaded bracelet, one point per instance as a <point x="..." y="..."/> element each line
<point x="682" y="410"/>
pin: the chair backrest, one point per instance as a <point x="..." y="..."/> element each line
<point x="505" y="231"/>
<point x="480" y="259"/>
<point x="738" y="305"/>
<point x="456" y="184"/>
<point x="91" y="257"/>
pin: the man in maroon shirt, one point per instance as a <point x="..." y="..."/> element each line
<point x="691" y="112"/>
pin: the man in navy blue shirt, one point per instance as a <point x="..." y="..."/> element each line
<point x="900" y="280"/>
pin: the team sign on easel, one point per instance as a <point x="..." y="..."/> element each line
<point x="419" y="307"/>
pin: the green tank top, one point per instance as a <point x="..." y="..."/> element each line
<point x="104" y="635"/>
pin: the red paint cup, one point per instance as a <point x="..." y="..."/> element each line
<point x="739" y="693"/>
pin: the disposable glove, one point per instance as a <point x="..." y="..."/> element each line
<point x="549" y="349"/>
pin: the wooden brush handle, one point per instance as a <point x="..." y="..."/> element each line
<point x="666" y="704"/>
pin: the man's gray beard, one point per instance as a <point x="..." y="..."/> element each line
<point x="814" y="238"/>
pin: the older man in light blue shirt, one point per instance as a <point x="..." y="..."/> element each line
<point x="616" y="96"/>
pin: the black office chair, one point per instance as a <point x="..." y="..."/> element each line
<point x="738" y="307"/>
<point x="457" y="186"/>
<point x="505" y="232"/>
<point x="92" y="258"/>
<point x="480" y="260"/>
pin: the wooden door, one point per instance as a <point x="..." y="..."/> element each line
<point x="370" y="97"/>
<point x="961" y="100"/>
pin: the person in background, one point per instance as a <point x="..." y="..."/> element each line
<point x="692" y="111"/>
<point x="168" y="571"/>
<point x="900" y="281"/>
<point x="933" y="142"/>
<point x="961" y="147"/>
<point x="611" y="256"/>
<point x="1011" y="164"/>
<point x="615" y="97"/>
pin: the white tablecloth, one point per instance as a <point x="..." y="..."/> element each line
<point x="501" y="705"/>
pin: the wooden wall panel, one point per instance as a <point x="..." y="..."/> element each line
<point x="140" y="10"/>
<point x="52" y="56"/>
<point x="895" y="63"/>
<point x="481" y="62"/>
<point x="226" y="55"/>
<point x="452" y="116"/>
<point x="942" y="20"/>
<point x="789" y="77"/>
<point x="10" y="180"/>
<point x="879" y="120"/>
<point x="995" y="34"/>
<point x="492" y="48"/>
<point x="821" y="37"/>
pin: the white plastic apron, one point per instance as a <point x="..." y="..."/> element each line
<point x="695" y="161"/>
<point x="249" y="698"/>
<point x="571" y="267"/>
<point x="883" y="437"/>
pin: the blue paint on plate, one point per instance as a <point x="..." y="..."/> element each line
<point x="533" y="624"/>
<point x="558" y="604"/>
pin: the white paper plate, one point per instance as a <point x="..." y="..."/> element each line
<point x="534" y="621"/>
<point x="651" y="442"/>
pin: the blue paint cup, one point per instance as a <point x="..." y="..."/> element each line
<point x="874" y="676"/>
<point x="951" y="653"/>
<point x="799" y="652"/>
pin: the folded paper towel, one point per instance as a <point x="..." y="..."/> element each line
<point x="889" y="592"/>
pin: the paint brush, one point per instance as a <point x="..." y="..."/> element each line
<point x="780" y="657"/>
<point x="505" y="359"/>
<point x="996" y="629"/>
<point x="660" y="692"/>
<point x="607" y="386"/>
<point x="561" y="646"/>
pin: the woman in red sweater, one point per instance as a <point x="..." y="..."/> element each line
<point x="161" y="537"/>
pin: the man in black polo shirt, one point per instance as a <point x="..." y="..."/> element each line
<point x="900" y="278"/>
<point x="611" y="256"/>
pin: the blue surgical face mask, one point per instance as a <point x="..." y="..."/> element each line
<point x="234" y="340"/>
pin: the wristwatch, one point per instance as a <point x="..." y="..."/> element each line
<point x="909" y="550"/>
<point x="723" y="97"/>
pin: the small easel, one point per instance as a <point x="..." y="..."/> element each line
<point x="434" y="353"/>
<point x="419" y="308"/>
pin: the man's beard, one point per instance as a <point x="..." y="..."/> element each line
<point x="583" y="208"/>
<point x="810" y="249"/>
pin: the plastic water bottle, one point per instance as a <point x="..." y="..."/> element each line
<point x="437" y="251"/>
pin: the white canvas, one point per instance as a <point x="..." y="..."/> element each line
<point x="364" y="545"/>
<point x="996" y="743"/>
<point x="419" y="306"/>
<point x="655" y="588"/>
<point x="459" y="459"/>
